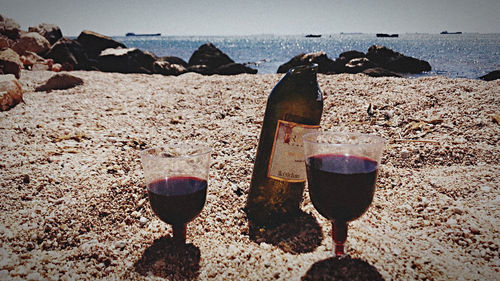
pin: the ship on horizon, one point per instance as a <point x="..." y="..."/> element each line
<point x="142" y="34"/>
<point x="446" y="32"/>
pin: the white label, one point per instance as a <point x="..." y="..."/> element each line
<point x="287" y="157"/>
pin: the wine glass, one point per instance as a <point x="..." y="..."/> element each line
<point x="176" y="178"/>
<point x="341" y="174"/>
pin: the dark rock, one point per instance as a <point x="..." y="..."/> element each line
<point x="174" y="60"/>
<point x="342" y="62"/>
<point x="126" y="60"/>
<point x="167" y="68"/>
<point x="380" y="72"/>
<point x="69" y="52"/>
<point x="325" y="65"/>
<point x="60" y="82"/>
<point x="234" y="69"/>
<point x="51" y="32"/>
<point x="358" y="65"/>
<point x="29" y="59"/>
<point x="94" y="43"/>
<point x="349" y="55"/>
<point x="391" y="60"/>
<point x="494" y="75"/>
<point x="201" y="69"/>
<point x="10" y="63"/>
<point x="31" y="42"/>
<point x="9" y="28"/>
<point x="210" y="56"/>
<point x="11" y="92"/>
<point x="5" y="42"/>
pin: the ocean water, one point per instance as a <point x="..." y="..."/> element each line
<point x="467" y="55"/>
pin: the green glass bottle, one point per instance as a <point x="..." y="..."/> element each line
<point x="294" y="108"/>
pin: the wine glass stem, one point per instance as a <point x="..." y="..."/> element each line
<point x="179" y="234"/>
<point x="339" y="235"/>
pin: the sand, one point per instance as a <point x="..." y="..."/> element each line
<point x="74" y="204"/>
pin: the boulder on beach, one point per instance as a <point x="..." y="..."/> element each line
<point x="380" y="72"/>
<point x="51" y="32"/>
<point x="357" y="65"/>
<point x="29" y="59"/>
<point x="11" y="92"/>
<point x="126" y="60"/>
<point x="210" y="56"/>
<point x="174" y="60"/>
<point x="9" y="28"/>
<point x="200" y="69"/>
<point x="349" y="55"/>
<point x="325" y="64"/>
<point x="60" y="82"/>
<point x="234" y="69"/>
<point x="167" y="68"/>
<point x="10" y="62"/>
<point x="352" y="62"/>
<point x="208" y="60"/>
<point x="69" y="52"/>
<point x="94" y="43"/>
<point x="170" y="65"/>
<point x="394" y="61"/>
<point x="494" y="75"/>
<point x="5" y="42"/>
<point x="31" y="42"/>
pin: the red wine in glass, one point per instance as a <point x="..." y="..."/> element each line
<point x="178" y="200"/>
<point x="341" y="188"/>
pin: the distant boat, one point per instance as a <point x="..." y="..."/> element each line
<point x="313" y="35"/>
<point x="143" y="34"/>
<point x="387" y="35"/>
<point x="446" y="32"/>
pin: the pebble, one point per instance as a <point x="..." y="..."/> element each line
<point x="474" y="230"/>
<point x="452" y="222"/>
<point x="34" y="276"/>
<point x="120" y="244"/>
<point x="457" y="210"/>
<point x="4" y="275"/>
<point x="486" y="188"/>
<point x="405" y="153"/>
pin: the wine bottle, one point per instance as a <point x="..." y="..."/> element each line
<point x="294" y="107"/>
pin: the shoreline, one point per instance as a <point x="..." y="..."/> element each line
<point x="73" y="196"/>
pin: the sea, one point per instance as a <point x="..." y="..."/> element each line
<point x="466" y="55"/>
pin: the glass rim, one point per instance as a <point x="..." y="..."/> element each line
<point x="377" y="140"/>
<point x="203" y="150"/>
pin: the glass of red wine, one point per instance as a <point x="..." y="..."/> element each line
<point x="177" y="180"/>
<point x="341" y="174"/>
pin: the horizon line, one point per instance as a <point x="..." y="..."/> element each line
<point x="283" y="34"/>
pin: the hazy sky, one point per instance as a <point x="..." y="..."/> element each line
<point x="235" y="17"/>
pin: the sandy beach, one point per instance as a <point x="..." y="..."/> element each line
<point x="74" y="204"/>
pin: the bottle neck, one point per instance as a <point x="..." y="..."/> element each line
<point x="304" y="73"/>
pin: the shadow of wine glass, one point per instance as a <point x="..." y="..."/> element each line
<point x="301" y="235"/>
<point x="345" y="268"/>
<point x="166" y="260"/>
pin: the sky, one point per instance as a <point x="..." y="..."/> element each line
<point x="238" y="17"/>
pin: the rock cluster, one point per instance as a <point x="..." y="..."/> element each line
<point x="44" y="47"/>
<point x="378" y="61"/>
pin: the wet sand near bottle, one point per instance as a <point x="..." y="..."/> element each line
<point x="74" y="204"/>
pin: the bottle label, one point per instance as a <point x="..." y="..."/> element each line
<point x="287" y="157"/>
